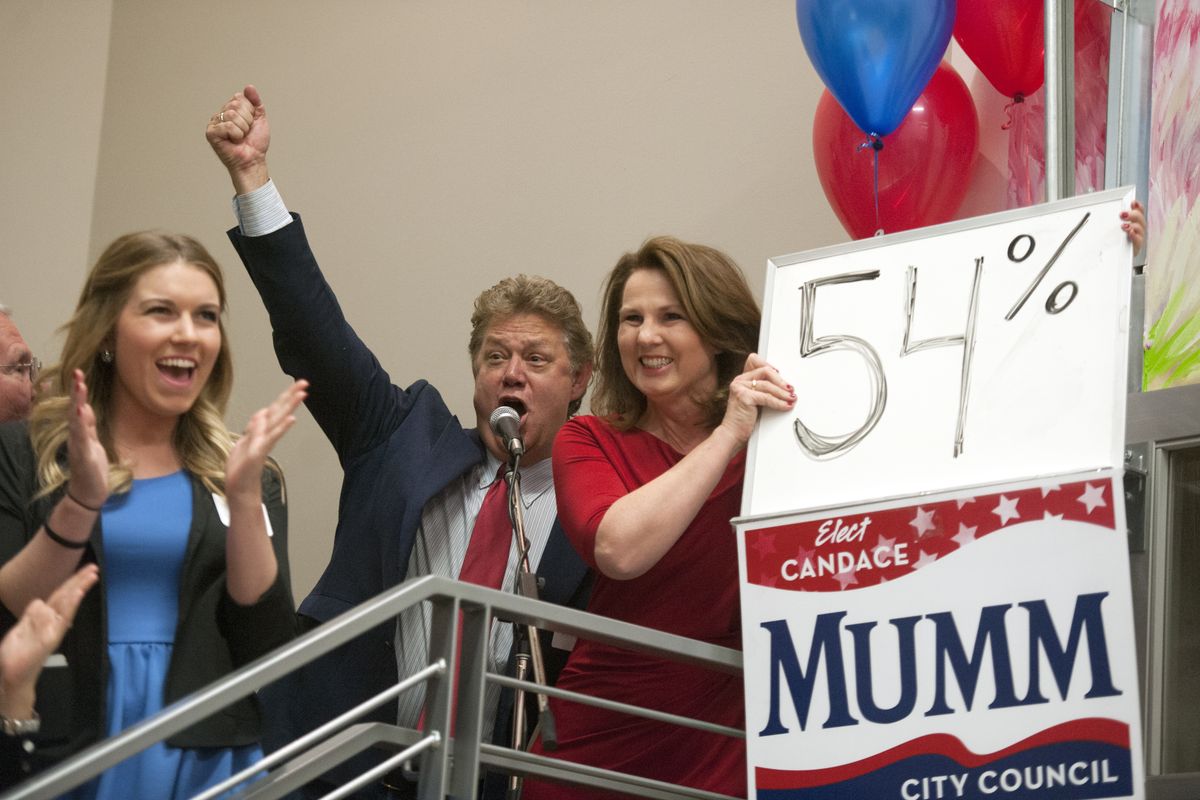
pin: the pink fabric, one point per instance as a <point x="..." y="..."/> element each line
<point x="1027" y="135"/>
<point x="1173" y="268"/>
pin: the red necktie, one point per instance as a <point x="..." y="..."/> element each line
<point x="486" y="556"/>
<point x="491" y="538"/>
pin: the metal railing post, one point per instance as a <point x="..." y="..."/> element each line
<point x="1060" y="98"/>
<point x="476" y="631"/>
<point x="439" y="697"/>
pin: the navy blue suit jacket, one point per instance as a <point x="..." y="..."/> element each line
<point x="397" y="448"/>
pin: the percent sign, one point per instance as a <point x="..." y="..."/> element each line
<point x="823" y="446"/>
<point x="1052" y="304"/>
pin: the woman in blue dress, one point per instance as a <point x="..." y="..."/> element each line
<point x="126" y="462"/>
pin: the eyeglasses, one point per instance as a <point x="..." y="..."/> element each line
<point x="31" y="368"/>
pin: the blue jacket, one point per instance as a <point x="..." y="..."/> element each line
<point x="397" y="447"/>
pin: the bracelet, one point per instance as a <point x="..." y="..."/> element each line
<point x="79" y="502"/>
<point x="62" y="540"/>
<point x="20" y="727"/>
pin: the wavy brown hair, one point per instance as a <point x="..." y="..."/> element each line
<point x="718" y="304"/>
<point x="201" y="439"/>
<point x="530" y="294"/>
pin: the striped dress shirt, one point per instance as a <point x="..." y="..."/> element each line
<point x="446" y="521"/>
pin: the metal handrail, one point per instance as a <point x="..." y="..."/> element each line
<point x="322" y="732"/>
<point x="449" y="599"/>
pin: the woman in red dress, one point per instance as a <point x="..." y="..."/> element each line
<point x="646" y="490"/>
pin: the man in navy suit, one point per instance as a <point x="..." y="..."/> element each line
<point x="414" y="478"/>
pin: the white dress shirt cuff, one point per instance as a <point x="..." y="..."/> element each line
<point x="261" y="211"/>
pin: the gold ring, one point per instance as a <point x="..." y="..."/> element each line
<point x="222" y="117"/>
<point x="754" y="385"/>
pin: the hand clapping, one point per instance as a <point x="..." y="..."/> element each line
<point x="35" y="636"/>
<point x="243" y="470"/>
<point x="86" y="458"/>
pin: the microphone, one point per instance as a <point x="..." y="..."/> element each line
<point x="506" y="424"/>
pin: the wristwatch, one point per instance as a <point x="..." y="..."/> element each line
<point x="21" y="727"/>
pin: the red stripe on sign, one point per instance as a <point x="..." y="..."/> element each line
<point x="1091" y="729"/>
<point x="858" y="550"/>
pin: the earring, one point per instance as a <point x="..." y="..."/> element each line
<point x="106" y="356"/>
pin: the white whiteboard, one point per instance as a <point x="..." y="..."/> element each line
<point x="1039" y="393"/>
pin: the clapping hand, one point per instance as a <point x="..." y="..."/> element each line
<point x="250" y="563"/>
<point x="86" y="459"/>
<point x="35" y="636"/>
<point x="243" y="470"/>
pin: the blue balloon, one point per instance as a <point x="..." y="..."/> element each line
<point x="876" y="56"/>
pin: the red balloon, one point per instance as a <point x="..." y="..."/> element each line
<point x="924" y="166"/>
<point x="1006" y="40"/>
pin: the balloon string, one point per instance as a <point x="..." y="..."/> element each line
<point x="876" y="144"/>
<point x="878" y="223"/>
<point x="1008" y="109"/>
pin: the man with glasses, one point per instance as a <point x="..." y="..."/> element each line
<point x="18" y="370"/>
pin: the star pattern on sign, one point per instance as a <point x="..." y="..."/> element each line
<point x="966" y="534"/>
<point x="925" y="560"/>
<point x="923" y="522"/>
<point x="760" y="544"/>
<point x="939" y="527"/>
<point x="1007" y="509"/>
<point x="1092" y="497"/>
<point x="846" y="578"/>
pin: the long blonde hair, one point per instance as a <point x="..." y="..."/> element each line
<point x="200" y="439"/>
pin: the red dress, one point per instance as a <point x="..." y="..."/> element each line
<point x="692" y="591"/>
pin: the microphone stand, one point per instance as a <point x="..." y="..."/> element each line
<point x="526" y="644"/>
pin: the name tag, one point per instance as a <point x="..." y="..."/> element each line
<point x="223" y="513"/>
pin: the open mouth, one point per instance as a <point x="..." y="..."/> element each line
<point x="655" y="362"/>
<point x="177" y="370"/>
<point x="515" y="405"/>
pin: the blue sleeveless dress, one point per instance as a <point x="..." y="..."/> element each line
<point x="145" y="542"/>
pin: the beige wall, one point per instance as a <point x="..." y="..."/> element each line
<point x="433" y="147"/>
<point x="53" y="57"/>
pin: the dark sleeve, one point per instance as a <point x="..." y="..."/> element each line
<point x="16" y="489"/>
<point x="586" y="485"/>
<point x="351" y="396"/>
<point x="255" y="630"/>
<point x="15" y="763"/>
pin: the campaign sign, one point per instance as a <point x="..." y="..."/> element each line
<point x="935" y="580"/>
<point x="978" y="351"/>
<point x="965" y="645"/>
